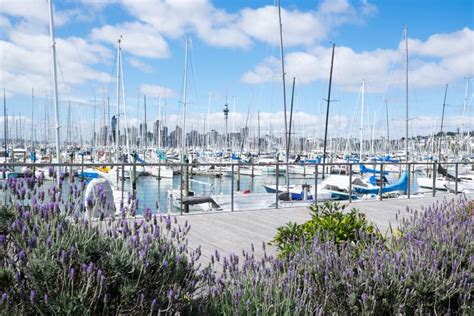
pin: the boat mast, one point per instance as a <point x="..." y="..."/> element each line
<point x="117" y="120"/>
<point x="388" y="127"/>
<point x="291" y="115"/>
<point x="207" y="130"/>
<point x="442" y="123"/>
<point x="5" y="124"/>
<point x="372" y="138"/>
<point x="185" y="101"/>
<point x="159" y="122"/>
<point x="258" y="120"/>
<point x="361" y="139"/>
<point x="327" y="109"/>
<point x="226" y="117"/>
<point x="284" y="95"/>
<point x="55" y="82"/>
<point x="93" y="129"/>
<point x="234" y="138"/>
<point x="145" y="128"/>
<point x="124" y="105"/>
<point x="406" y="91"/>
<point x="32" y="119"/>
<point x="464" y="110"/>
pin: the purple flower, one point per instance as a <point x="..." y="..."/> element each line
<point x="170" y="294"/>
<point x="62" y="256"/>
<point x="90" y="268"/>
<point x="22" y="256"/>
<point x="32" y="242"/>
<point x="89" y="202"/>
<point x="2" y="239"/>
<point x="4" y="297"/>
<point x="99" y="275"/>
<point x="148" y="214"/>
<point x="72" y="272"/>
<point x="32" y="296"/>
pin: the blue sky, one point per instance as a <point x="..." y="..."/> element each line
<point x="235" y="53"/>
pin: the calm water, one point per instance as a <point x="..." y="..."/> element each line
<point x="152" y="193"/>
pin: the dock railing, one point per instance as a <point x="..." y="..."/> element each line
<point x="346" y="168"/>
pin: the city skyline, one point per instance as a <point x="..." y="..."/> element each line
<point x="234" y="53"/>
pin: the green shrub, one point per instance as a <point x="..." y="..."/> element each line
<point x="55" y="261"/>
<point x="328" y="222"/>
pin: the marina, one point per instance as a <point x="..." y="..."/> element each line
<point x="165" y="157"/>
<point x="231" y="191"/>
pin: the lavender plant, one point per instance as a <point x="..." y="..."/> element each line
<point x="56" y="261"/>
<point x="428" y="270"/>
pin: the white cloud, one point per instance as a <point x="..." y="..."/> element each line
<point x="223" y="29"/>
<point x="452" y="53"/>
<point x="26" y="61"/>
<point x="35" y="12"/>
<point x="156" y="91"/>
<point x="176" y="18"/>
<point x="443" y="45"/>
<point x="266" y="71"/>
<point x="138" y="64"/>
<point x="335" y="7"/>
<point x="299" y="28"/>
<point x="367" y="8"/>
<point x="138" y="38"/>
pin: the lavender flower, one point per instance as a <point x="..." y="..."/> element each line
<point x="32" y="296"/>
<point x="72" y="273"/>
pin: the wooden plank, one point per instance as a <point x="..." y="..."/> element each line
<point x="231" y="232"/>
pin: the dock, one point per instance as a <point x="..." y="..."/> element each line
<point x="232" y="232"/>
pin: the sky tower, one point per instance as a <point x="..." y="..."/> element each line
<point x="226" y="116"/>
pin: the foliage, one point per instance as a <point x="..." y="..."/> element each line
<point x="427" y="270"/>
<point x="57" y="261"/>
<point x="329" y="221"/>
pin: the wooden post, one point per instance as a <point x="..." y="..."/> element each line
<point x="70" y="168"/>
<point x="181" y="188"/>
<point x="350" y="183"/>
<point x="238" y="175"/>
<point x="409" y="180"/>
<point x="381" y="181"/>
<point x="315" y="183"/>
<point x="232" y="190"/>
<point x="123" y="179"/>
<point x="456" y="178"/>
<point x="186" y="184"/>
<point x="133" y="176"/>
<point x="277" y="175"/>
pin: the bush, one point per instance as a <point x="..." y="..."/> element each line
<point x="428" y="270"/>
<point x="57" y="262"/>
<point x="328" y="222"/>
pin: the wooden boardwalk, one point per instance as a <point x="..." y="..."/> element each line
<point x="232" y="232"/>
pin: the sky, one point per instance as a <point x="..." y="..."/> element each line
<point x="234" y="54"/>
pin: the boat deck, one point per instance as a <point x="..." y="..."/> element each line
<point x="232" y="232"/>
